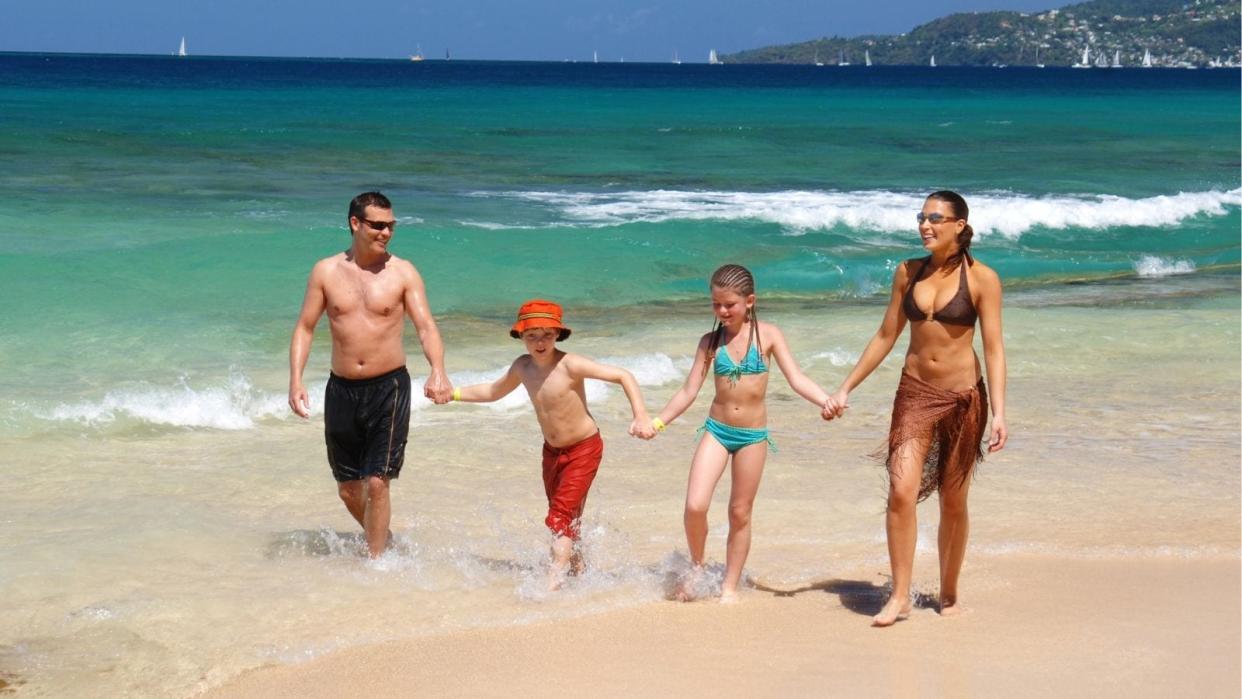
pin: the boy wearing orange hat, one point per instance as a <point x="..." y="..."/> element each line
<point x="572" y="447"/>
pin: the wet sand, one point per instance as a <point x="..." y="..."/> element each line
<point x="1033" y="626"/>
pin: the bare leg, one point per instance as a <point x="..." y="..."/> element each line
<point x="747" y="470"/>
<point x="377" y="516"/>
<point x="562" y="555"/>
<point x="901" y="524"/>
<point x="710" y="459"/>
<point x="954" y="531"/>
<point x="353" y="494"/>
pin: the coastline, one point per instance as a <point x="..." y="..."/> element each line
<point x="1033" y="626"/>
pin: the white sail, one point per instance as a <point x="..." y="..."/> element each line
<point x="1037" y="63"/>
<point x="676" y="60"/>
<point x="1146" y="58"/>
<point x="867" y="57"/>
<point x="595" y="57"/>
<point x="817" y="61"/>
<point x="1085" y="62"/>
<point x="841" y="59"/>
<point x="181" y="51"/>
<point x="933" y="61"/>
<point x="1116" y="59"/>
<point x="712" y="58"/>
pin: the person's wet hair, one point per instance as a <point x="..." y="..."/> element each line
<point x="960" y="210"/>
<point x="738" y="279"/>
<point x="358" y="206"/>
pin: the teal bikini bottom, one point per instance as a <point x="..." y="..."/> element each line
<point x="734" y="438"/>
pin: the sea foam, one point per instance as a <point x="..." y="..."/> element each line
<point x="799" y="211"/>
<point x="1154" y="267"/>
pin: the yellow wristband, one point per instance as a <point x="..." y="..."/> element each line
<point x="457" y="394"/>
<point x="658" y="424"/>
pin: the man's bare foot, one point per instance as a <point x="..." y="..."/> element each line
<point x="729" y="597"/>
<point x="894" y="611"/>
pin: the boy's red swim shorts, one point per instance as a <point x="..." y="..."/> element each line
<point x="567" y="476"/>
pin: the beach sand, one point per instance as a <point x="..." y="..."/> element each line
<point x="1033" y="626"/>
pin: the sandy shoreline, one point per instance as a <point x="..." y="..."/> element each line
<point x="1036" y="626"/>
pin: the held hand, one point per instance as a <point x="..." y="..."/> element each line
<point x="298" y="401"/>
<point x="1000" y="435"/>
<point x="641" y="428"/>
<point x="836" y="405"/>
<point x="438" y="388"/>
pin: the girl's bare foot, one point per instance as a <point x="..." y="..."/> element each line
<point x="895" y="610"/>
<point x="729" y="597"/>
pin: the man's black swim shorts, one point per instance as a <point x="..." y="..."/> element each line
<point x="366" y="424"/>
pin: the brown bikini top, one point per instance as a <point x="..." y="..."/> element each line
<point x="960" y="310"/>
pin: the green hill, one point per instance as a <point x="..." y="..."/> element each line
<point x="1177" y="34"/>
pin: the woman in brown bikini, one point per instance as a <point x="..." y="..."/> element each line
<point x="941" y="408"/>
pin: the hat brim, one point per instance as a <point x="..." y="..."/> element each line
<point x="523" y="325"/>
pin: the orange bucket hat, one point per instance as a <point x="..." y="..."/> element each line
<point x="538" y="313"/>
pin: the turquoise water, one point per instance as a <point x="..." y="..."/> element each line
<point x="163" y="214"/>
<point x="170" y="525"/>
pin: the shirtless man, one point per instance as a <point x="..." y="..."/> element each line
<point x="366" y="291"/>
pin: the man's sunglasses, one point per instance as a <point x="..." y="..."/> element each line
<point x="380" y="225"/>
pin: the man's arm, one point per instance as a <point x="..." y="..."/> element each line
<point x="438" y="388"/>
<point x="303" y="332"/>
<point x="583" y="368"/>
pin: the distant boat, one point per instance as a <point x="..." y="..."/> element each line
<point x="676" y="60"/>
<point x="1037" y="63"/>
<point x="712" y="59"/>
<point x="867" y="57"/>
<point x="1101" y="61"/>
<point x="595" y="57"/>
<point x="418" y="54"/>
<point x="817" y="61"/>
<point x="841" y="59"/>
<point x="1146" y="58"/>
<point x="932" y="63"/>
<point x="447" y="56"/>
<point x="1086" y="58"/>
<point x="1116" y="59"/>
<point x="181" y="51"/>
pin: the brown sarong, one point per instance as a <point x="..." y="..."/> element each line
<point x="952" y="422"/>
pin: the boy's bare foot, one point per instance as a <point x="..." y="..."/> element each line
<point x="894" y="611"/>
<point x="556" y="578"/>
<point x="729" y="597"/>
<point x="687" y="589"/>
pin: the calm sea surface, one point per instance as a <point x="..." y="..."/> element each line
<point x="168" y="524"/>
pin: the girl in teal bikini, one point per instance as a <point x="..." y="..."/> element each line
<point x="736" y="425"/>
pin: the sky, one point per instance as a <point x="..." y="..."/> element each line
<point x="633" y="30"/>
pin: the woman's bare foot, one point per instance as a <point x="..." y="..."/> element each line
<point x="950" y="607"/>
<point x="894" y="611"/>
<point x="729" y="597"/>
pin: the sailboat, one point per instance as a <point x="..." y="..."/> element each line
<point x="1116" y="59"/>
<point x="712" y="59"/>
<point x="867" y="57"/>
<point x="595" y="56"/>
<point x="418" y="54"/>
<point x="181" y="51"/>
<point x="933" y="61"/>
<point x="1086" y="58"/>
<point x="1037" y="63"/>
<point x="676" y="60"/>
<point x="1146" y="58"/>
<point x="841" y="60"/>
<point x="817" y="61"/>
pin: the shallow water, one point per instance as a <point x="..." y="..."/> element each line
<point x="168" y="523"/>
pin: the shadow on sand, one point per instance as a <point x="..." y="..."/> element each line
<point x="858" y="596"/>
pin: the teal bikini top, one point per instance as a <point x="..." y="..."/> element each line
<point x="752" y="363"/>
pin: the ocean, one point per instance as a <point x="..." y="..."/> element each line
<point x="168" y="524"/>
